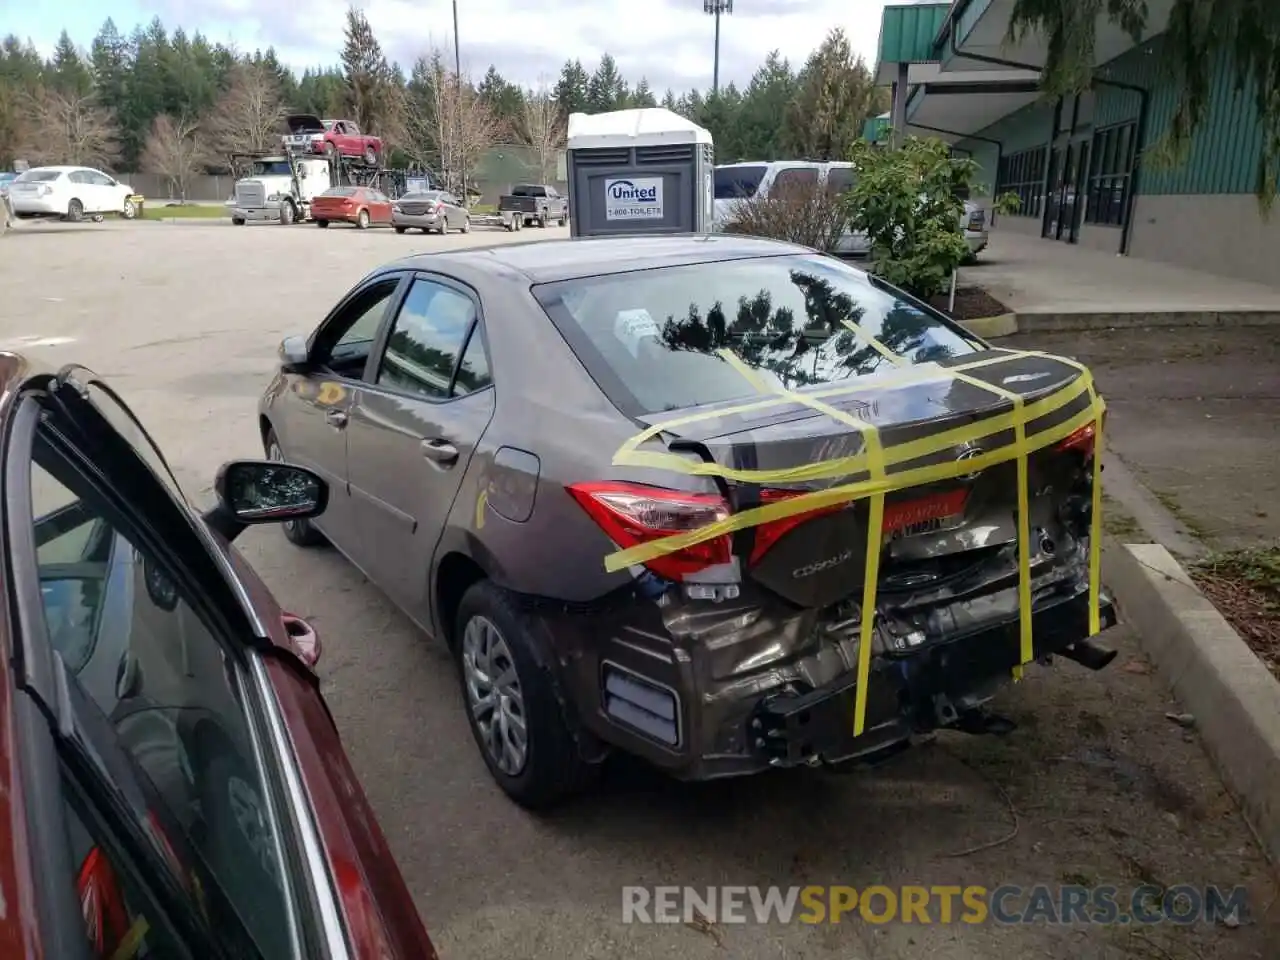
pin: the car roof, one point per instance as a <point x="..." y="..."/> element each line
<point x="546" y="261"/>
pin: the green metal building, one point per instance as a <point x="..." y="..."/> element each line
<point x="1079" y="164"/>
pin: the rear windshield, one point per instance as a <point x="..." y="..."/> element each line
<point x="839" y="179"/>
<point x="340" y="192"/>
<point x="271" y="168"/>
<point x="39" y="176"/>
<point x="652" y="338"/>
<point x="738" y="183"/>
<point x="423" y="195"/>
<point x="529" y="190"/>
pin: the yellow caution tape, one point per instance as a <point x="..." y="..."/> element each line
<point x="131" y="942"/>
<point x="875" y="460"/>
<point x="1027" y="649"/>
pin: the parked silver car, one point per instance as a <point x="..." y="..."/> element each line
<point x="430" y="211"/>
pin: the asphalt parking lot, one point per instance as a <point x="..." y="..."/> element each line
<point x="1095" y="786"/>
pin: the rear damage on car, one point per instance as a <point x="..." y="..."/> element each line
<point x="744" y="640"/>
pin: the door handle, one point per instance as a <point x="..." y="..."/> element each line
<point x="439" y="451"/>
<point x="336" y="419"/>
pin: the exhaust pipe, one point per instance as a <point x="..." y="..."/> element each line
<point x="1088" y="654"/>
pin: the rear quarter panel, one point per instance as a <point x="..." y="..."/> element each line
<point x="555" y="411"/>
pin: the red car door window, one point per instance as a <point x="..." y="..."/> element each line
<point x="171" y="698"/>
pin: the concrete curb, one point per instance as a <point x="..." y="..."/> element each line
<point x="1069" y="322"/>
<point x="992" y="328"/>
<point x="1235" y="700"/>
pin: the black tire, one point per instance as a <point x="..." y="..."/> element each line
<point x="563" y="220"/>
<point x="322" y="224"/>
<point x="362" y="220"/>
<point x="553" y="770"/>
<point x="301" y="533"/>
<point x="238" y="221"/>
<point x="287" y="214"/>
<point x="542" y="220"/>
<point x="370" y="156"/>
<point x="75" y="211"/>
<point x="400" y="229"/>
<point x="466" y="225"/>
<point x="128" y="209"/>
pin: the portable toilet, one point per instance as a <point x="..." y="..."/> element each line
<point x="638" y="171"/>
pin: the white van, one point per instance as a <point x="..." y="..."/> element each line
<point x="739" y="181"/>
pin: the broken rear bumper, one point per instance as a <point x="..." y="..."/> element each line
<point x="739" y="689"/>
<point x="911" y="694"/>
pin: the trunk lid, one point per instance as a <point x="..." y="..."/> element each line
<point x="818" y="559"/>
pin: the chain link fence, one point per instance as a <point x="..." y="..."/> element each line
<point x="499" y="169"/>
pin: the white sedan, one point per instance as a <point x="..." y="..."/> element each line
<point x="70" y="193"/>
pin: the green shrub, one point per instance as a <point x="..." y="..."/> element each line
<point x="907" y="202"/>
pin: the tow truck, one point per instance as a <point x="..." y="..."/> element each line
<point x="279" y="187"/>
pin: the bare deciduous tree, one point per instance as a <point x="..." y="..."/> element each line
<point x="446" y="121"/>
<point x="803" y="213"/>
<point x="68" y="127"/>
<point x="176" y="151"/>
<point x="246" y="119"/>
<point x="541" y="129"/>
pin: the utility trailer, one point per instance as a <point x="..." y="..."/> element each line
<point x="509" y="220"/>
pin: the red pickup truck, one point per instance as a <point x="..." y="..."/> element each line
<point x="309" y="134"/>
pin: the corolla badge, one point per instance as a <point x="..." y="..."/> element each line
<point x="810" y="569"/>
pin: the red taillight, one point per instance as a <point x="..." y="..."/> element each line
<point x="767" y="534"/>
<point x="1081" y="440"/>
<point x="439" y="207"/>
<point x="631" y="514"/>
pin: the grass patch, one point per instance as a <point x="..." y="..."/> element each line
<point x="483" y="209"/>
<point x="1118" y="522"/>
<point x="1245" y="587"/>
<point x="187" y="211"/>
<point x="1194" y="526"/>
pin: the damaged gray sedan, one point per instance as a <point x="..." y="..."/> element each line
<point x="496" y="423"/>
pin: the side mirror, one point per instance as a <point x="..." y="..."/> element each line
<point x="293" y="354"/>
<point x="264" y="491"/>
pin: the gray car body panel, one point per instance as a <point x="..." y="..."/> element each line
<point x="546" y="423"/>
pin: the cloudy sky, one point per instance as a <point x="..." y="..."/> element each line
<point x="668" y="41"/>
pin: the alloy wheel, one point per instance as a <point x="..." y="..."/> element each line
<point x="493" y="695"/>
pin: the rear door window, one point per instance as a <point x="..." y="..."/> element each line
<point x="738" y="182"/>
<point x="839" y="180"/>
<point x="790" y="178"/>
<point x="429" y="334"/>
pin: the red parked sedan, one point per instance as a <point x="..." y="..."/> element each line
<point x="171" y="782"/>
<point x="359" y="205"/>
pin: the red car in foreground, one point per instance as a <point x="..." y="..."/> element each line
<point x="171" y="782"/>
<point x="363" y="206"/>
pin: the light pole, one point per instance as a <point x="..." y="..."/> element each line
<point x="715" y="8"/>
<point x="457" y="104"/>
